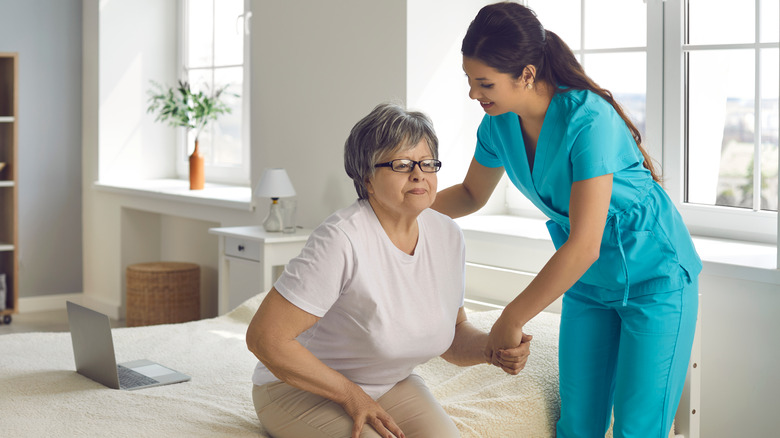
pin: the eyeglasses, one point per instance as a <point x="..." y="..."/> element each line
<point x="407" y="166"/>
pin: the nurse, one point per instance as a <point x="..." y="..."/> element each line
<point x="624" y="261"/>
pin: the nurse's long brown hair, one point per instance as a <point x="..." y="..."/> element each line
<point x="508" y="37"/>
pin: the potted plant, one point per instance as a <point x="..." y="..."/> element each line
<point x="181" y="107"/>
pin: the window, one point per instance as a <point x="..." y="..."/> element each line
<point x="583" y="29"/>
<point x="620" y="64"/>
<point x="722" y="114"/>
<point x="214" y="52"/>
<point x="699" y="78"/>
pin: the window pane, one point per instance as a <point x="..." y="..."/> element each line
<point x="227" y="129"/>
<point x="770" y="21"/>
<point x="770" y="118"/>
<point x="721" y="21"/>
<point x="229" y="33"/>
<point x="199" y="33"/>
<point x="200" y="80"/>
<point x="566" y="26"/>
<point x="615" y="23"/>
<point x="628" y="83"/>
<point x="220" y="142"/>
<point x="721" y="127"/>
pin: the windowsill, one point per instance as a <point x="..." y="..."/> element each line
<point x="214" y="195"/>
<point x="754" y="261"/>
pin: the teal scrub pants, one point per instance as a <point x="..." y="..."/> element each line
<point x="632" y="358"/>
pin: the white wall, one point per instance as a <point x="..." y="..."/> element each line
<point x="47" y="36"/>
<point x="437" y="85"/>
<point x="317" y="68"/>
<point x="740" y="353"/>
<point x="138" y="42"/>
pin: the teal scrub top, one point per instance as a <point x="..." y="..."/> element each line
<point x="646" y="247"/>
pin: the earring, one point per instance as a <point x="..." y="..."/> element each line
<point x="529" y="85"/>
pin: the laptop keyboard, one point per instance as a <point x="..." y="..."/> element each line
<point x="132" y="379"/>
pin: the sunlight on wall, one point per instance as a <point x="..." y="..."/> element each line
<point x="131" y="144"/>
<point x="120" y="137"/>
<point x="436" y="82"/>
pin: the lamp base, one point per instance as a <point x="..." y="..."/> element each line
<point x="273" y="222"/>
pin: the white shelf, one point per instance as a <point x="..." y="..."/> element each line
<point x="744" y="260"/>
<point x="9" y="215"/>
<point x="219" y="195"/>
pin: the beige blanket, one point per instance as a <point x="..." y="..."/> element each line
<point x="41" y="395"/>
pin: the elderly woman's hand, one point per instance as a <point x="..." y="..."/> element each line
<point x="364" y="410"/>
<point x="513" y="360"/>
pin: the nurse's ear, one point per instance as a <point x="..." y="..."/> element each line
<point x="528" y="77"/>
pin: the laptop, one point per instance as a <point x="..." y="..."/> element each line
<point x="93" y="349"/>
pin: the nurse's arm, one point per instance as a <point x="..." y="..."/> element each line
<point x="271" y="336"/>
<point x="470" y="195"/>
<point x="588" y="208"/>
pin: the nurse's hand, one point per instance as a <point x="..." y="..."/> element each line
<point x="506" y="335"/>
<point x="513" y="360"/>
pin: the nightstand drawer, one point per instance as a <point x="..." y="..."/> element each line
<point x="242" y="248"/>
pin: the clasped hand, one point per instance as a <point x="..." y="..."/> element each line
<point x="508" y="347"/>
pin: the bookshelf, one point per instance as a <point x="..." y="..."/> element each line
<point x="9" y="136"/>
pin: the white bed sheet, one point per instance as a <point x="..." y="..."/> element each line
<point x="42" y="395"/>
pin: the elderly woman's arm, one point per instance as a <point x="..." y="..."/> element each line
<point x="271" y="336"/>
<point x="468" y="348"/>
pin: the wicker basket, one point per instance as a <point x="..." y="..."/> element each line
<point x="162" y="293"/>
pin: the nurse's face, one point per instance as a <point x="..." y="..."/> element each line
<point x="496" y="92"/>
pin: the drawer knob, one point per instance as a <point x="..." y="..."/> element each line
<point x="241" y="248"/>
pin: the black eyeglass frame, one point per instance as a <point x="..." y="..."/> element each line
<point x="412" y="163"/>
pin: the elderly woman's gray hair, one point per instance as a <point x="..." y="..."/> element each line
<point x="387" y="129"/>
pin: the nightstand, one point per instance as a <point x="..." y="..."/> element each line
<point x="251" y="259"/>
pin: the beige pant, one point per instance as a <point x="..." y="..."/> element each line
<point x="286" y="411"/>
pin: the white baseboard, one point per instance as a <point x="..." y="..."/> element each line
<point x="57" y="302"/>
<point x="45" y="303"/>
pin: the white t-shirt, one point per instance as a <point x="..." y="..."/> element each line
<point x="382" y="311"/>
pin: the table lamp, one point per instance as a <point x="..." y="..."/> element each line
<point x="274" y="184"/>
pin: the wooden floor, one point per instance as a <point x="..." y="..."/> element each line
<point x="48" y="321"/>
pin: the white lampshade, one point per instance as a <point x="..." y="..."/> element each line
<point x="274" y="184"/>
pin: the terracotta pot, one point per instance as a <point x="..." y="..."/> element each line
<point x="197" y="174"/>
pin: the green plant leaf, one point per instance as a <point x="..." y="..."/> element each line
<point x="180" y="107"/>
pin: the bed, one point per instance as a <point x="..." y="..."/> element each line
<point x="42" y="395"/>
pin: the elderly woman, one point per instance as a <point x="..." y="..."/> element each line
<point x="377" y="290"/>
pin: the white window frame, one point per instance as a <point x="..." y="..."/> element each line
<point x="665" y="133"/>
<point x="235" y="175"/>
<point x="653" y="135"/>
<point x="715" y="221"/>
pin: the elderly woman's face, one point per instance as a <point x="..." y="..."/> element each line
<point x="403" y="194"/>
